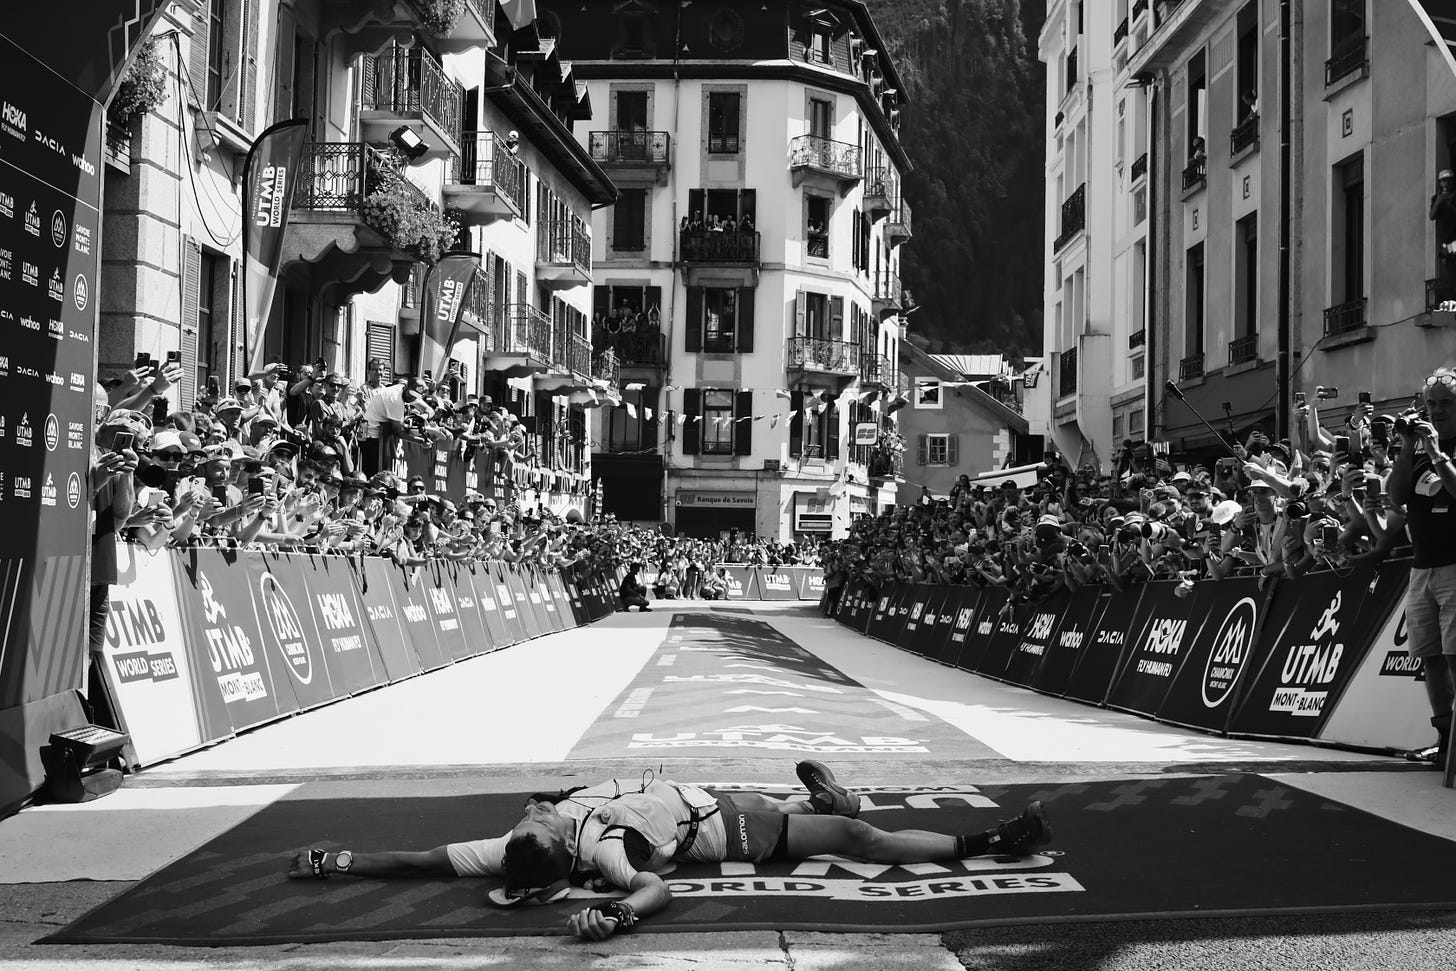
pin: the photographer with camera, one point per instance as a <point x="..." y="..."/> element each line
<point x="1424" y="482"/>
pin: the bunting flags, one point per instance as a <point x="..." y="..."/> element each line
<point x="649" y="413"/>
<point x="634" y="386"/>
<point x="781" y="393"/>
<point x="632" y="411"/>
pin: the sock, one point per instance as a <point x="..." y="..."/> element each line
<point x="973" y="844"/>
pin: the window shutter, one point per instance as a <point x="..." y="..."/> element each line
<point x="743" y="430"/>
<point x="854" y="237"/>
<point x="800" y="305"/>
<point x="748" y="204"/>
<point x="379" y="342"/>
<point x="283" y="65"/>
<point x="952" y="450"/>
<point x="745" y="319"/>
<point x="248" y="82"/>
<point x="831" y="415"/>
<point x="648" y="399"/>
<point x="197" y="55"/>
<point x="693" y="330"/>
<point x="691" y="409"/>
<point x="237" y="336"/>
<point x="191" y="297"/>
<point x="695" y="204"/>
<point x="796" y="424"/>
<point x="521" y="297"/>
<point x="836" y="318"/>
<point x="601" y="305"/>
<point x="922" y="451"/>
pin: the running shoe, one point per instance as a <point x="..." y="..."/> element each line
<point x="1022" y="834"/>
<point x="828" y="797"/>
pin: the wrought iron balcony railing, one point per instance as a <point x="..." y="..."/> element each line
<point x="606" y="367"/>
<point x="643" y="348"/>
<point x="485" y="161"/>
<point x="631" y="147"/>
<point x="811" y="151"/>
<point x="563" y="241"/>
<point x="881" y="189"/>
<point x="1244" y="135"/>
<point x="1196" y="172"/>
<point x="339" y="176"/>
<point x="1435" y="295"/>
<point x="1348" y="57"/>
<point x="1138" y="6"/>
<point x="523" y="329"/>
<point x="578" y="354"/>
<point x="715" y="246"/>
<point x="1140" y="166"/>
<point x="1345" y="317"/>
<point x="1074" y="216"/>
<point x="876" y="368"/>
<point x="887" y="286"/>
<point x="1241" y="350"/>
<point x="1191" y="367"/>
<point x="823" y="354"/>
<point x="405" y="80"/>
<point x="1067" y="373"/>
<point x="900" y="224"/>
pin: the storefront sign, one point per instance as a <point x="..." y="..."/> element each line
<point x="734" y="499"/>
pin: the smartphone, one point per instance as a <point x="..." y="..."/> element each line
<point x="1358" y="494"/>
<point x="256" y="486"/>
<point x="213" y="388"/>
<point x="1299" y="399"/>
<point x="1379" y="433"/>
<point x="159" y="411"/>
<point x="122" y="441"/>
<point x="1364" y="397"/>
<point x="1103" y="549"/>
<point x="143" y="359"/>
<point x="1327" y="392"/>
<point x="1342" y="445"/>
<point x="1330" y="536"/>
<point x="220" y="493"/>
<point x="174" y="357"/>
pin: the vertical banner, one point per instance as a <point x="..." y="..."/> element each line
<point x="376" y="579"/>
<point x="1219" y="655"/>
<point x="289" y="637"/>
<point x="1100" y="658"/>
<point x="529" y="621"/>
<point x="439" y="588"/>
<point x="349" y="655"/>
<point x="487" y="601"/>
<point x="1073" y="635"/>
<point x="1165" y="627"/>
<point x="411" y="597"/>
<point x="1038" y="634"/>
<point x="953" y="620"/>
<point x="467" y="601"/>
<point x="269" y="174"/>
<point x="446" y="285"/>
<point x="510" y="611"/>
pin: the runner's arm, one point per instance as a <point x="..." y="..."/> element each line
<point x="387" y="863"/>
<point x="648" y="894"/>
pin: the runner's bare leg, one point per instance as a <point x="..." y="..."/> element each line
<point x="813" y="835"/>
<point x="755" y="803"/>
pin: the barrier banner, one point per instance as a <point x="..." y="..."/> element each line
<point x="1313" y="638"/>
<point x="487" y="601"/>
<point x="810" y="582"/>
<point x="1074" y="634"/>
<point x="385" y="628"/>
<point x="1037" y="633"/>
<point x="530" y="622"/>
<point x="233" y="683"/>
<point x="777" y="584"/>
<point x="953" y="624"/>
<point x="1384" y="703"/>
<point x="289" y="636"/>
<point x="1214" y="663"/>
<point x="467" y="602"/>
<point x="510" y="610"/>
<point x="869" y="602"/>
<point x="742" y="583"/>
<point x="579" y="613"/>
<point x="437" y="591"/>
<point x="918" y="600"/>
<point x="887" y="620"/>
<point x="411" y="596"/>
<point x="348" y="654"/>
<point x="973" y="644"/>
<point x="921" y="638"/>
<point x="1102" y="652"/>
<point x="1161" y="633"/>
<point x="535" y="602"/>
<point x="144" y="658"/>
<point x="1005" y="634"/>
<point x="558" y="608"/>
<point x="852" y="605"/>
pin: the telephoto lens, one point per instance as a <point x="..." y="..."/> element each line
<point x="1157" y="532"/>
<point x="1297" y="510"/>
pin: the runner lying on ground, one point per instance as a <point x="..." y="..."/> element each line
<point x="625" y="832"/>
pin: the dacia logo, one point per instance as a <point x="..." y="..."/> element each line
<point x="1165" y="636"/>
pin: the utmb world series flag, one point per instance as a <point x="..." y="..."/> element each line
<point x="446" y="287"/>
<point x="269" y="175"/>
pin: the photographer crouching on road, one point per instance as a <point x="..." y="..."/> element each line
<point x="1424" y="481"/>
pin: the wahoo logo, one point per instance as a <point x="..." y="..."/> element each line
<point x="415" y="613"/>
<point x="917" y="610"/>
<point x="882" y="605"/>
<point x="1165" y="636"/>
<point x="1070" y="639"/>
<point x="985" y="627"/>
<point x="1231" y="648"/>
<point x="1041" y="627"/>
<point x="287" y="629"/>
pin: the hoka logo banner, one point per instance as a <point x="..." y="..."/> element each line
<point x="1231" y="648"/>
<point x="1165" y="636"/>
<point x="963" y="618"/>
<point x="1041" y="626"/>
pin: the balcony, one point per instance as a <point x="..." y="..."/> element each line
<point x="485" y="182"/>
<point x="643" y="348"/>
<point x="897" y="230"/>
<point x="1436" y="297"/>
<point x="1137" y="338"/>
<point x="403" y="86"/>
<point x="1190" y="367"/>
<point x="821" y="355"/>
<point x="876" y="369"/>
<point x="633" y="156"/>
<point x="1195" y="174"/>
<point x="521" y="343"/>
<point x="1067" y="373"/>
<point x="563" y="253"/>
<point x="1119" y="33"/>
<point x="825" y="162"/>
<point x="1139" y="166"/>
<point x="475" y="315"/>
<point x="1348" y="58"/>
<point x="367" y="28"/>
<point x="880" y="192"/>
<point x="1244" y="136"/>
<point x="887" y="298"/>
<point x="1074" y="217"/>
<point x="1242" y="350"/>
<point x="1345" y="317"/>
<point x="118" y="146"/>
<point x="606" y="370"/>
<point x="329" y="248"/>
<point x="722" y="255"/>
<point x="1071" y="69"/>
<point x="474" y="30"/>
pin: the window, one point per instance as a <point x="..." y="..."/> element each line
<point x="1247" y="63"/>
<point x="816" y="226"/>
<point x="1348" y="259"/>
<point x="631" y="111"/>
<point x="626" y="433"/>
<point x="212" y="318"/>
<point x="1246" y="276"/>
<point x="629" y="220"/>
<point x="821" y="118"/>
<point x="214" y="54"/>
<point x="1197" y="106"/>
<point x="1116" y="427"/>
<point x="632" y="39"/>
<point x="1135" y="422"/>
<point x="717" y="421"/>
<point x="1347" y="25"/>
<point x="723" y="111"/>
<point x="819" y="46"/>
<point x="1194" y="295"/>
<point x="816" y="315"/>
<point x="937" y="450"/>
<point x="928" y="393"/>
<point x="719" y="317"/>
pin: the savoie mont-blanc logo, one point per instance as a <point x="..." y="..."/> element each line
<point x="282" y="620"/>
<point x="1231" y="647"/>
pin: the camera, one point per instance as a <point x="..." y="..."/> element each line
<point x="1077" y="549"/>
<point x="1406" y="419"/>
<point x="1299" y="399"/>
<point x="1297" y="510"/>
<point x="174" y="357"/>
<point x="1157" y="532"/>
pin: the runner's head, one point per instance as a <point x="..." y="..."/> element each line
<point x="538" y="859"/>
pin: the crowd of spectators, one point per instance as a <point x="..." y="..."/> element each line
<point x="1267" y="509"/>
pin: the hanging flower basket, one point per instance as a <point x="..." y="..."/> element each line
<point x="406" y="217"/>
<point x="440" y="16"/>
<point x="144" y="88"/>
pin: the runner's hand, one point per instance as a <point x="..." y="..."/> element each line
<point x="589" y="925"/>
<point x="298" y="867"/>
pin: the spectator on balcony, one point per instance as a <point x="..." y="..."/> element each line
<point x="1443" y="214"/>
<point x="695" y="225"/>
<point x="745" y="223"/>
<point x="1250" y="101"/>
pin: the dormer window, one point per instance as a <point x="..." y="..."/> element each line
<point x="635" y="39"/>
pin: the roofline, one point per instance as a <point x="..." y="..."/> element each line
<point x="1017" y="422"/>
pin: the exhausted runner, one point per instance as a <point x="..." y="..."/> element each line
<point x="624" y="832"/>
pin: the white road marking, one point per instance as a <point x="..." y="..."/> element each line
<point x="745" y="708"/>
<point x="667" y="660"/>
<point x="635" y="702"/>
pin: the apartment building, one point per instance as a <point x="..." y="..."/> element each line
<point x="419" y="128"/>
<point x="747" y="279"/>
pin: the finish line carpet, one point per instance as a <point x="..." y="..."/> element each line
<point x="1236" y="844"/>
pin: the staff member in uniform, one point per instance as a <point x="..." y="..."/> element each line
<point x="384" y="413"/>
<point x="1424" y="481"/>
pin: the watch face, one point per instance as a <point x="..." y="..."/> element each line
<point x="344" y="860"/>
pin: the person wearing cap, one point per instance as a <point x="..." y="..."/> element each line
<point x="384" y="416"/>
<point x="228" y="413"/>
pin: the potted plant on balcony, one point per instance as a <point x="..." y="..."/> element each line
<point x="406" y="217"/>
<point x="440" y="16"/>
<point x="142" y="90"/>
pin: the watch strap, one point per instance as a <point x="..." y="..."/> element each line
<point x="316" y="859"/>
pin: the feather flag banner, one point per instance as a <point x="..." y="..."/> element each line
<point x="781" y="393"/>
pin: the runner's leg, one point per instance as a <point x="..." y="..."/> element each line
<point x="755" y="803"/>
<point x="812" y="835"/>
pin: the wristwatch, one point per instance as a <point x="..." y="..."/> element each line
<point x="623" y="914"/>
<point x="343" y="860"/>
